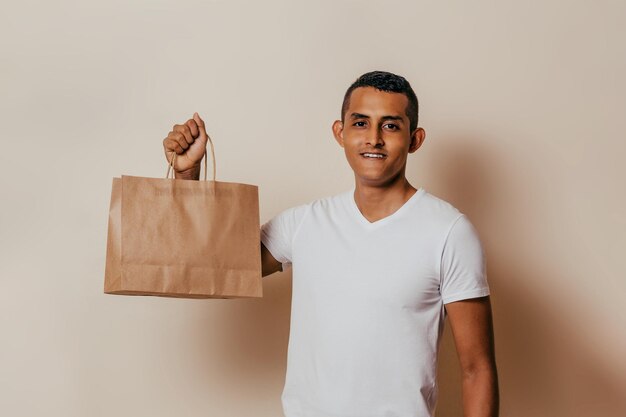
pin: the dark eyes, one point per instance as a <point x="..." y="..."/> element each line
<point x="389" y="126"/>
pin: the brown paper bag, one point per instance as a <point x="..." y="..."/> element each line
<point x="181" y="238"/>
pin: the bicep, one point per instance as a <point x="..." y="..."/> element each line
<point x="472" y="326"/>
<point x="268" y="262"/>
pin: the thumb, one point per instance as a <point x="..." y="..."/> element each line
<point x="201" y="128"/>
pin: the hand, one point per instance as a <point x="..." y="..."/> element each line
<point x="188" y="141"/>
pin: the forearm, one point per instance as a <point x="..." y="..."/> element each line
<point x="480" y="393"/>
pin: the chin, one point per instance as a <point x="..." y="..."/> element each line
<point x="376" y="179"/>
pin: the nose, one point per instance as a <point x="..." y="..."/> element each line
<point x="375" y="138"/>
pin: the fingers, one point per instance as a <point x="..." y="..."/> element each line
<point x="182" y="138"/>
<point x="185" y="132"/>
<point x="179" y="139"/>
<point x="174" y="145"/>
<point x="193" y="127"/>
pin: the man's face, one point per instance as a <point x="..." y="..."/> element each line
<point x="376" y="123"/>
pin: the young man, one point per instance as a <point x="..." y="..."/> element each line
<point x="375" y="271"/>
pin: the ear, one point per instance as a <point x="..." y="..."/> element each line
<point x="338" y="132"/>
<point x="417" y="138"/>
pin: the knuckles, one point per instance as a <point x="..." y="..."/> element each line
<point x="176" y="139"/>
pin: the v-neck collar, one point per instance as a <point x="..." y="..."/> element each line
<point x="363" y="220"/>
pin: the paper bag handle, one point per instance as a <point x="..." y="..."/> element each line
<point x="170" y="166"/>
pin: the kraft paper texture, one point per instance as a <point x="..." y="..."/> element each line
<point x="181" y="238"/>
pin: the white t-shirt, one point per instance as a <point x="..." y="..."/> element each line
<point x="368" y="301"/>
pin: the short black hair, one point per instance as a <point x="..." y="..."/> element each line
<point x="391" y="83"/>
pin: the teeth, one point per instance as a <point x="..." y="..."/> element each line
<point x="373" y="155"/>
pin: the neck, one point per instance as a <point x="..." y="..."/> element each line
<point x="378" y="201"/>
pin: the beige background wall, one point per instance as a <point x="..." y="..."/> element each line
<point x="523" y="106"/>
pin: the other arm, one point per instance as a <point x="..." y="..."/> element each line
<point x="472" y="327"/>
<point x="269" y="263"/>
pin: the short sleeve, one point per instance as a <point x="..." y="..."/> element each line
<point x="278" y="233"/>
<point x="463" y="264"/>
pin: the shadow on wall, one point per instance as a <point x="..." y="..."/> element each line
<point x="545" y="366"/>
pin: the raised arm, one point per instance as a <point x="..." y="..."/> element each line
<point x="472" y="327"/>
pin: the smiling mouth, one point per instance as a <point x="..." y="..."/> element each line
<point x="369" y="155"/>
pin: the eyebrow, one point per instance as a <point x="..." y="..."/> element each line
<point x="387" y="117"/>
